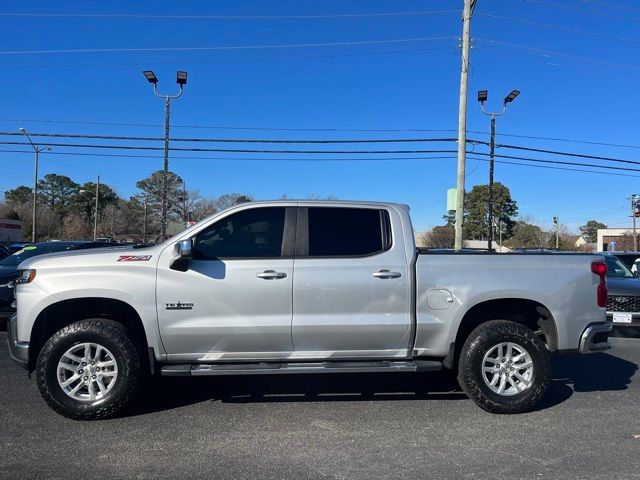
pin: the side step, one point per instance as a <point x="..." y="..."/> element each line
<point x="180" y="370"/>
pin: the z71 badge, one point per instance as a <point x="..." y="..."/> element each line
<point x="134" y="258"/>
<point x="179" y="306"/>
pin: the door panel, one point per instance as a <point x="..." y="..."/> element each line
<point x="235" y="314"/>
<point x="234" y="301"/>
<point x="351" y="307"/>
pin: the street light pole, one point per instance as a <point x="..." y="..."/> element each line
<point x="634" y="204"/>
<point x="181" y="80"/>
<point x="482" y="97"/>
<point x="37" y="151"/>
<point x="95" y="220"/>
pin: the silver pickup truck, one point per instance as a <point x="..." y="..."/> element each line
<point x="301" y="287"/>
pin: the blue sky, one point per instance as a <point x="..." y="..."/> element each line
<point x="404" y="86"/>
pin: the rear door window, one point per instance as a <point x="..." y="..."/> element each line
<point x="347" y="232"/>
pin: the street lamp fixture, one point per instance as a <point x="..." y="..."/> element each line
<point x="181" y="80"/>
<point x="511" y="97"/>
<point x="482" y="98"/>
<point x="151" y="77"/>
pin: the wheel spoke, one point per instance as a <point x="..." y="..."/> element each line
<point x="494" y="380"/>
<point x="66" y="366"/>
<point x="503" y="382"/>
<point x="523" y="380"/>
<point x="514" y="384"/>
<point x="87" y="352"/>
<point x="70" y="380"/>
<point x="509" y="351"/>
<point x="73" y="357"/>
<point x="492" y="360"/>
<point x="75" y="389"/>
<point x="101" y="385"/>
<point x="108" y="363"/>
<point x="96" y="357"/>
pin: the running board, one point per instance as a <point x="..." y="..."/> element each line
<point x="180" y="370"/>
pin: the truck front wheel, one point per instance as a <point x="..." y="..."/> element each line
<point x="89" y="370"/>
<point x="504" y="367"/>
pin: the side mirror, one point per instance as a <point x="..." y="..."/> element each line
<point x="184" y="251"/>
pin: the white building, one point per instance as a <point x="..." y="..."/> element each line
<point x="621" y="236"/>
<point x="10" y="230"/>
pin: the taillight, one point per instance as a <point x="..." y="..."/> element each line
<point x="600" y="269"/>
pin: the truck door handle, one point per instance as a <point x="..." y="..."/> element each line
<point x="386" y="274"/>
<point x="271" y="275"/>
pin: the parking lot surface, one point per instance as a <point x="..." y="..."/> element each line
<point x="343" y="426"/>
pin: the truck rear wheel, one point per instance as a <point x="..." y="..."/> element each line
<point x="89" y="370"/>
<point x="504" y="367"/>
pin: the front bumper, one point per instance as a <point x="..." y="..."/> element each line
<point x="18" y="351"/>
<point x="595" y="338"/>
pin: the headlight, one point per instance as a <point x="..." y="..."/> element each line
<point x="25" y="276"/>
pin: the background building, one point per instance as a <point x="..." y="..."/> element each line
<point x="10" y="230"/>
<point x="623" y="237"/>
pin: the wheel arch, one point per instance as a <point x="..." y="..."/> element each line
<point x="65" y="312"/>
<point x="530" y="313"/>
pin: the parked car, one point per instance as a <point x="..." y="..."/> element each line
<point x="623" y="305"/>
<point x="301" y="287"/>
<point x="9" y="266"/>
<point x="628" y="258"/>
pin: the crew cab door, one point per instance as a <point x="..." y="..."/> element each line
<point x="351" y="283"/>
<point x="234" y="299"/>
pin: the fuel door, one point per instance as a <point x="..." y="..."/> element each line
<point x="439" y="299"/>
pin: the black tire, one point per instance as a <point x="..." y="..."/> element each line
<point x="470" y="367"/>
<point x="109" y="334"/>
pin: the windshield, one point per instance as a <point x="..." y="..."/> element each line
<point x="31" y="251"/>
<point x="617" y="269"/>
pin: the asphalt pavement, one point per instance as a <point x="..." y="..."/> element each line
<point x="343" y="426"/>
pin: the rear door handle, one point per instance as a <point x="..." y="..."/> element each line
<point x="271" y="275"/>
<point x="387" y="274"/>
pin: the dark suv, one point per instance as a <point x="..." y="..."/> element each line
<point x="623" y="306"/>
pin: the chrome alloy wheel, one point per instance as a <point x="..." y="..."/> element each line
<point x="507" y="369"/>
<point x="87" y="372"/>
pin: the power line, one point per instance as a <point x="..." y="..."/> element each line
<point x="478" y="155"/>
<point x="233" y="140"/>
<point x="227" y="47"/>
<point x="222" y="127"/>
<point x="354" y="130"/>
<point x="243" y="60"/>
<point x="556" y="139"/>
<point x="558" y="168"/>
<point x="192" y="149"/>
<point x="228" y="17"/>
<point x="582" y="10"/>
<point x="560" y="54"/>
<point x="556" y="27"/>
<point x="622" y="7"/>
<point x="569" y="154"/>
<point x="376" y="159"/>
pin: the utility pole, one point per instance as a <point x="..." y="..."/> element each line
<point x="462" y="120"/>
<point x="634" y="204"/>
<point x="95" y="220"/>
<point x="556" y="221"/>
<point x="483" y="95"/>
<point x="37" y="151"/>
<point x="181" y="80"/>
<point x="185" y="213"/>
<point x="144" y="225"/>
